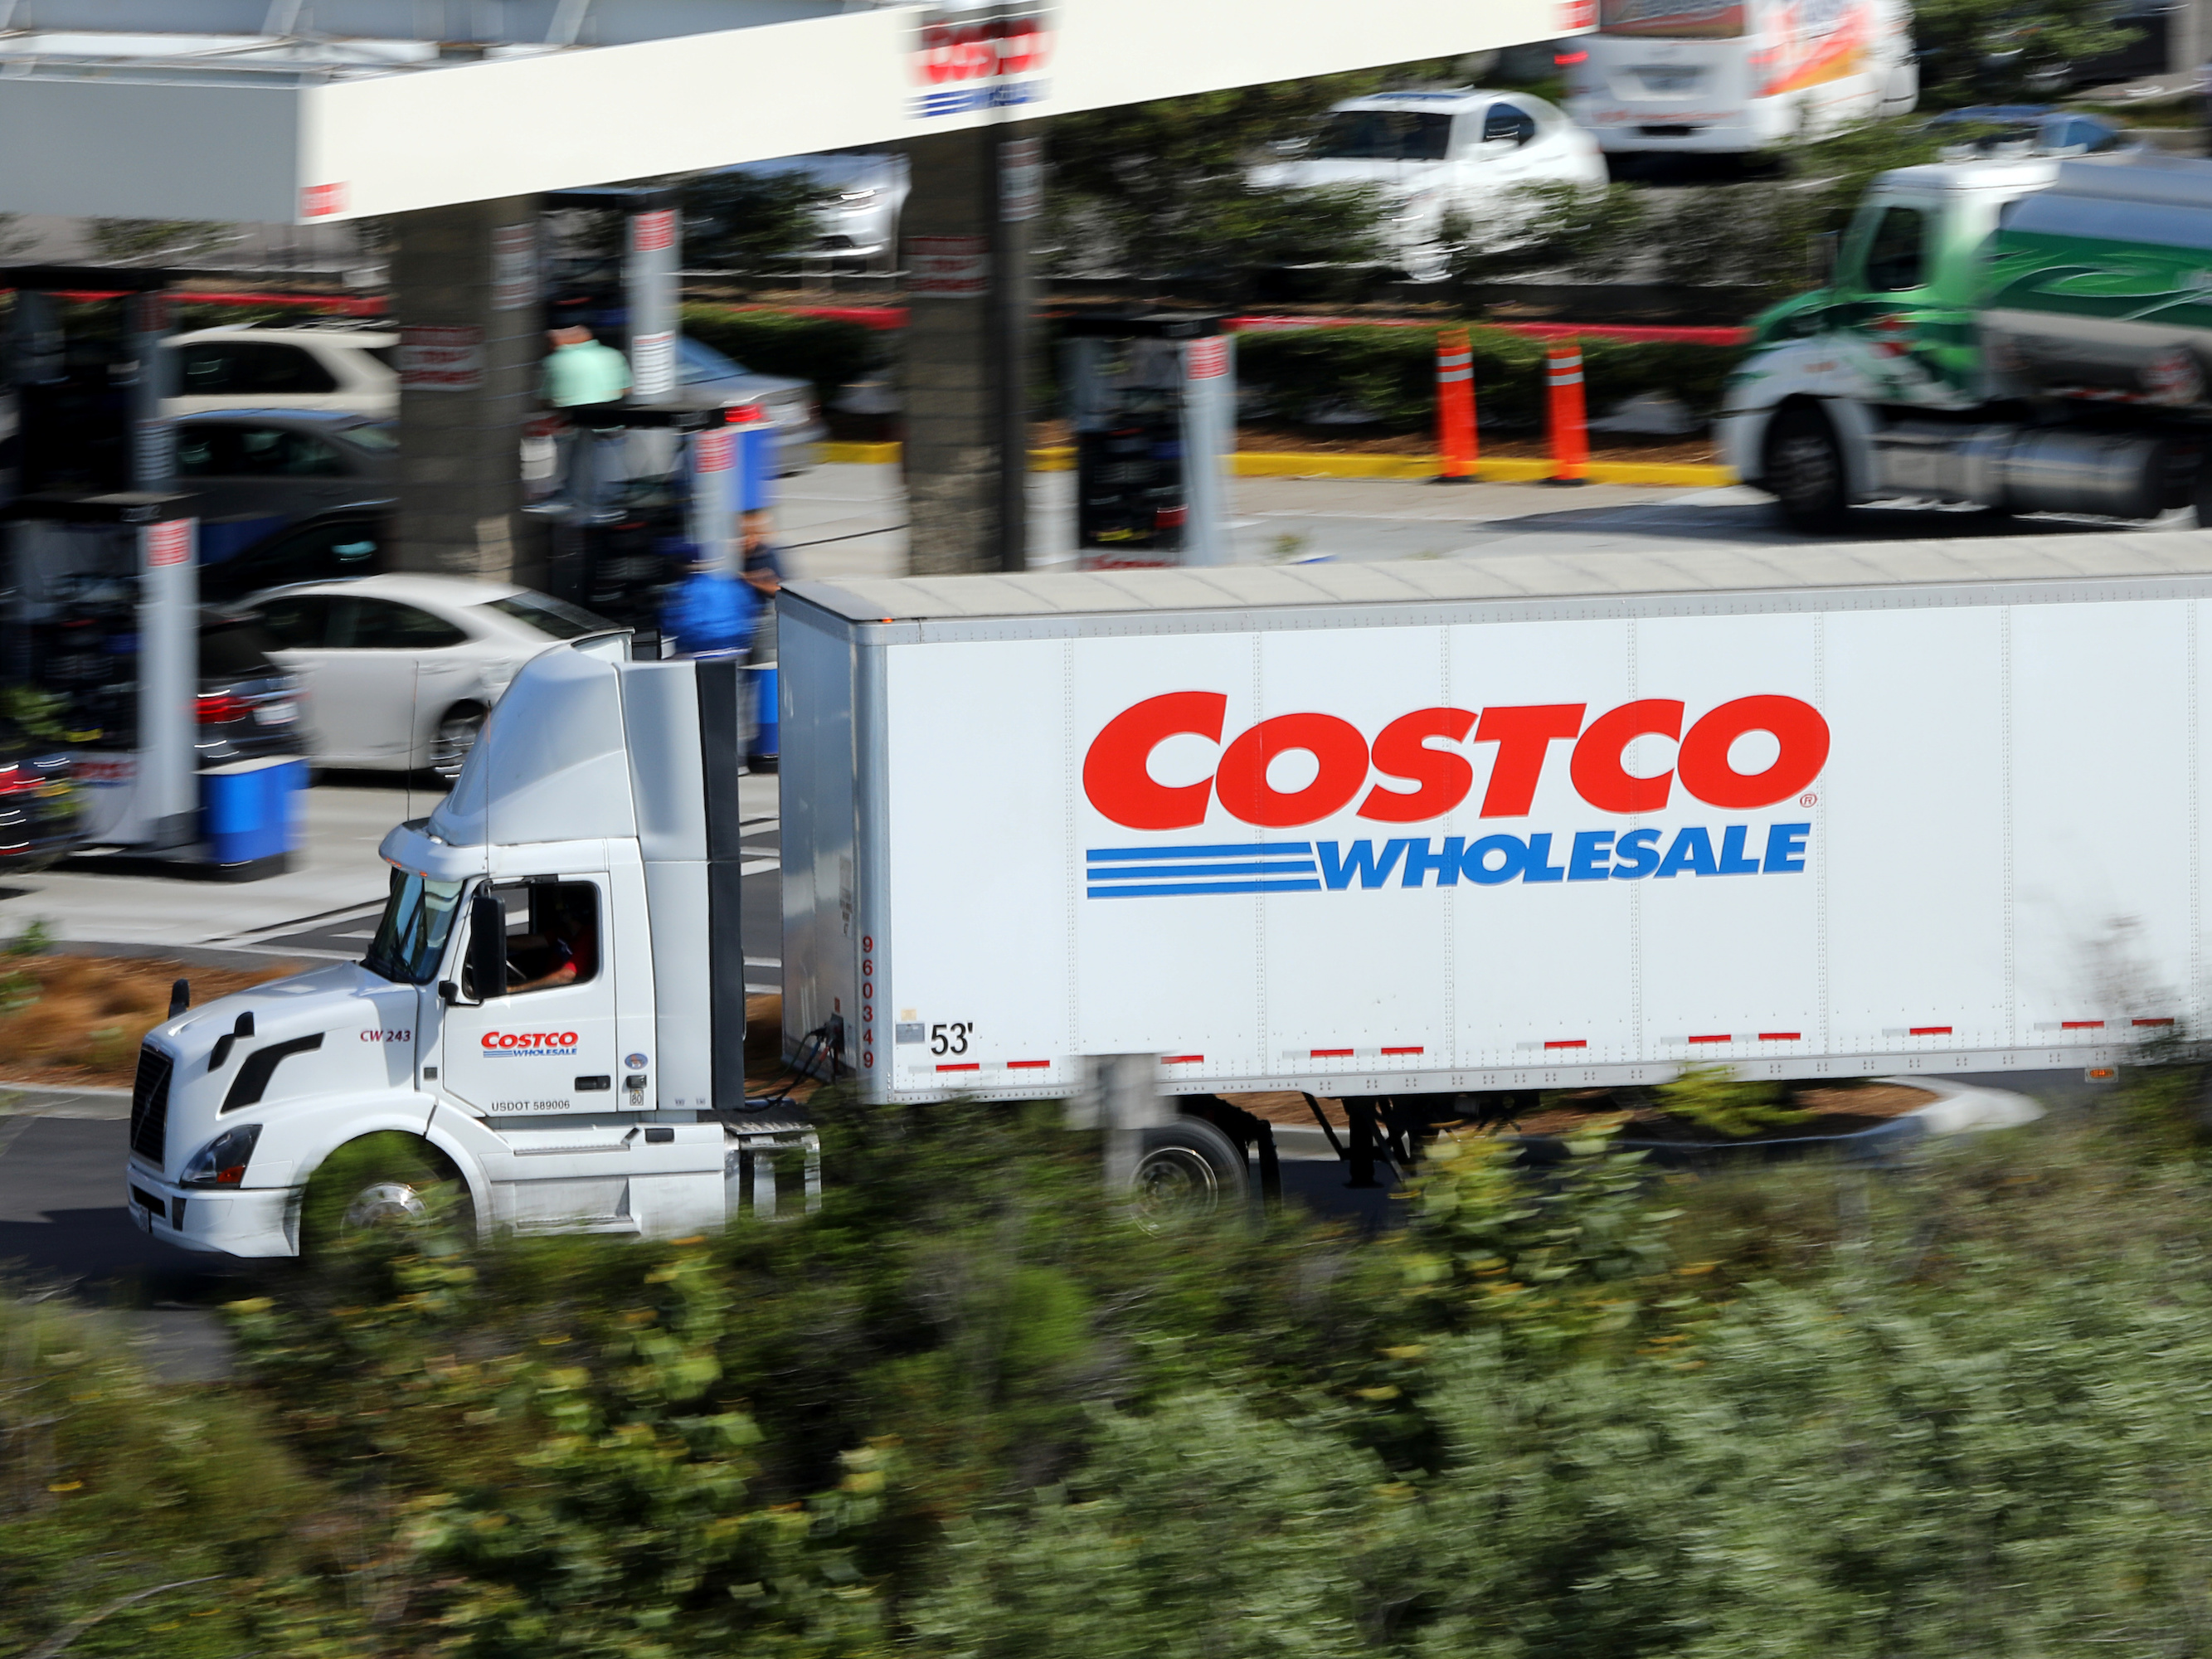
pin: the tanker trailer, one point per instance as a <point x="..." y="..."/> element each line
<point x="2023" y="334"/>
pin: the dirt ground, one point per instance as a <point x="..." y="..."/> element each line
<point x="77" y="1021"/>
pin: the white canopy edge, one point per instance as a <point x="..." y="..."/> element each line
<point x="152" y="134"/>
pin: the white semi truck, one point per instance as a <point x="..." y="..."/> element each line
<point x="1398" y="833"/>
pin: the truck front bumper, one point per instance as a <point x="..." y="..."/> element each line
<point x="252" y="1222"/>
<point x="1741" y="435"/>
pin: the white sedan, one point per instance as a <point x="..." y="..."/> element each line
<point x="1430" y="153"/>
<point x="401" y="671"/>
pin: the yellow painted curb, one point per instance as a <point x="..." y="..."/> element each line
<point x="834" y="454"/>
<point x="1316" y="464"/>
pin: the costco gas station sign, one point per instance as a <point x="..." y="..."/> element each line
<point x="980" y="57"/>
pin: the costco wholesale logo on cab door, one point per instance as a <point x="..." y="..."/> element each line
<point x="521" y="1045"/>
<point x="1420" y="767"/>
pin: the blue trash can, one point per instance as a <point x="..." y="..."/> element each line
<point x="762" y="678"/>
<point x="250" y="813"/>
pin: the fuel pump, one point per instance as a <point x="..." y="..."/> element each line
<point x="1152" y="400"/>
<point x="100" y="612"/>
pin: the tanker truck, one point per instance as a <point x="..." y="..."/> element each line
<point x="2023" y="334"/>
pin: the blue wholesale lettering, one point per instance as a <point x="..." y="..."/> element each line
<point x="1592" y="855"/>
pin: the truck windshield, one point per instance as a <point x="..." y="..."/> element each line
<point x="1674" y="20"/>
<point x="412" y="938"/>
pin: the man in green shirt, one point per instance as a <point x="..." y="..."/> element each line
<point x="581" y="376"/>
<point x="579" y="371"/>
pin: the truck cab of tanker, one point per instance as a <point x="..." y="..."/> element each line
<point x="533" y="1029"/>
<point x="1893" y="328"/>
<point x="2018" y="333"/>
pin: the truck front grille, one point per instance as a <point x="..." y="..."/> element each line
<point x="149" y="1107"/>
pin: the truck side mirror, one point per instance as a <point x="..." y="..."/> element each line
<point x="487" y="947"/>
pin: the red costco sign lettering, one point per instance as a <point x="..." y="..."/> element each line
<point x="322" y="201"/>
<point x="1415" y="782"/>
<point x="951" y="51"/>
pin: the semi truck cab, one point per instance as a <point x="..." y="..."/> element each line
<point x="550" y="1019"/>
<point x="2000" y="332"/>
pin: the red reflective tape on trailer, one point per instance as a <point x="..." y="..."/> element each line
<point x="1026" y="1065"/>
<point x="1181" y="1060"/>
<point x="2150" y="1022"/>
<point x="1928" y="1030"/>
<point x="1332" y="1054"/>
<point x="1569" y="1042"/>
<point x="2081" y="1025"/>
<point x="964" y="1066"/>
<point x="1781" y="1036"/>
<point x="1415" y="1049"/>
<point x="1718" y="1037"/>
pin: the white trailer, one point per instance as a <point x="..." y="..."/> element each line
<point x="1384" y="832"/>
<point x="1454" y="826"/>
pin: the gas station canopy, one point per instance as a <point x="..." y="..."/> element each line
<point x="310" y="111"/>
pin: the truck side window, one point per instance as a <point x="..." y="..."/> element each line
<point x="560" y="944"/>
<point x="1894" y="257"/>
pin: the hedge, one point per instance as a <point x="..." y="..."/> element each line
<point x="1391" y="373"/>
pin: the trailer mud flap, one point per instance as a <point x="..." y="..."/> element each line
<point x="722" y="746"/>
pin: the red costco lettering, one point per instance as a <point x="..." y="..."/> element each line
<point x="529" y="1039"/>
<point x="1429" y="750"/>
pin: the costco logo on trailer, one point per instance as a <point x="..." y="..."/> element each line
<point x="1418" y="768"/>
<point x="980" y="57"/>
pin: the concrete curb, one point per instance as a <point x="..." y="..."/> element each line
<point x="26" y="1100"/>
<point x="1967" y="1109"/>
<point x="1322" y="464"/>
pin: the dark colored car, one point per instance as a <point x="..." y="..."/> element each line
<point x="327" y="548"/>
<point x="2052" y="130"/>
<point x="39" y="807"/>
<point x="256" y="473"/>
<point x="249" y="708"/>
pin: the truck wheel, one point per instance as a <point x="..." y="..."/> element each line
<point x="1804" y="468"/>
<point x="457" y="733"/>
<point x="1189" y="1170"/>
<point x="389" y="1180"/>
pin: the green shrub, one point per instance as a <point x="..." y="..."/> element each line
<point x="1714" y="1099"/>
<point x="1391" y="374"/>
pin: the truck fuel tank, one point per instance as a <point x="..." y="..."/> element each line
<point x="2117" y="474"/>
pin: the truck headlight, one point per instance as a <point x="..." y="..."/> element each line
<point x="222" y="1161"/>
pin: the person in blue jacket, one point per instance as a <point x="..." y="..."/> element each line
<point x="709" y="611"/>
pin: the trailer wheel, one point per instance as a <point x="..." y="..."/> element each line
<point x="384" y="1181"/>
<point x="1804" y="469"/>
<point x="1187" y="1171"/>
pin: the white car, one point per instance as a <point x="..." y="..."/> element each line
<point x="349" y="369"/>
<point x="1434" y="153"/>
<point x="402" y="670"/>
<point x="865" y="191"/>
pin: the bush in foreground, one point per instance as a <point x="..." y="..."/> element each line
<point x="1961" y="1407"/>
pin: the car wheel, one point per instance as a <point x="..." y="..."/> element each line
<point x="385" y="1181"/>
<point x="457" y="733"/>
<point x="1804" y="471"/>
<point x="1187" y="1171"/>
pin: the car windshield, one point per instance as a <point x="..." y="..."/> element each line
<point x="373" y="435"/>
<point x="1384" y="135"/>
<point x="700" y="362"/>
<point x="555" y="617"/>
<point x="412" y="937"/>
